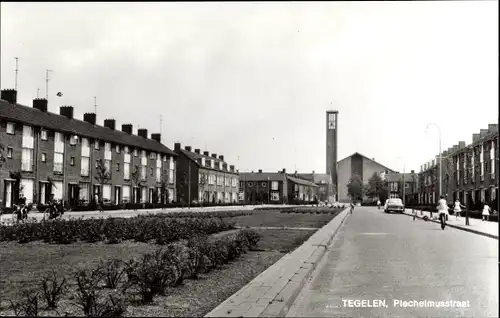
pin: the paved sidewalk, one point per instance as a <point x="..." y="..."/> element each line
<point x="476" y="226"/>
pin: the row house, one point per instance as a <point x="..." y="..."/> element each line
<point x="75" y="160"/>
<point x="275" y="187"/>
<point x="326" y="188"/>
<point x="395" y="182"/>
<point x="469" y="172"/>
<point x="205" y="177"/>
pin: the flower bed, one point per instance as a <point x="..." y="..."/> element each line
<point x="111" y="287"/>
<point x="114" y="230"/>
<point x="312" y="210"/>
<point x="203" y="215"/>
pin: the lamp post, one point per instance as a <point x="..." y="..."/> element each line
<point x="440" y="156"/>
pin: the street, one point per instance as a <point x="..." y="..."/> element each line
<point x="378" y="257"/>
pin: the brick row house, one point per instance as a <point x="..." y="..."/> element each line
<point x="470" y="172"/>
<point x="205" y="178"/>
<point x="74" y="160"/>
<point x="275" y="187"/>
<point x="394" y="182"/>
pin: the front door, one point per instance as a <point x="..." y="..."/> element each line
<point x="97" y="191"/>
<point x="8" y="195"/>
<point x="117" y="195"/>
<point x="73" y="194"/>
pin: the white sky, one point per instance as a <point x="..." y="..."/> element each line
<point x="253" y="80"/>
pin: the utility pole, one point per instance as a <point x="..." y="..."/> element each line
<point x="17" y="71"/>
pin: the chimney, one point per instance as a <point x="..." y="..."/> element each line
<point x="143" y="133"/>
<point x="475" y="137"/>
<point x="177" y="147"/>
<point x="198" y="160"/>
<point x="127" y="128"/>
<point x="89" y="118"/>
<point x="492" y="128"/>
<point x="188" y="148"/>
<point x="231" y="167"/>
<point x="197" y="151"/>
<point x="413" y="171"/>
<point x="205" y="153"/>
<point x="284" y="170"/>
<point x="66" y="111"/>
<point x="110" y="123"/>
<point x="214" y="155"/>
<point x="461" y="144"/>
<point x="483" y="132"/>
<point x="9" y="95"/>
<point x="40" y="104"/>
<point x="260" y="170"/>
<point x="156" y="137"/>
<point x="221" y="157"/>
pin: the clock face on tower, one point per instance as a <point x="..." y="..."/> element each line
<point x="331" y="121"/>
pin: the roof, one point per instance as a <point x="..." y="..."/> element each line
<point x="262" y="176"/>
<point x="35" y="117"/>
<point x="357" y="153"/>
<point x="195" y="156"/>
<point x="316" y="177"/>
<point x="395" y="177"/>
<point x="301" y="181"/>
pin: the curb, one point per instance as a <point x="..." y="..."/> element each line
<point x="460" y="228"/>
<point x="272" y="292"/>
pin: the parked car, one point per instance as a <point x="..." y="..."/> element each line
<point x="395" y="205"/>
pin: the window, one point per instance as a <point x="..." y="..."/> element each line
<point x="9" y="152"/>
<point x="126" y="171"/>
<point x="84" y="197"/>
<point x="158" y="174"/>
<point x="126" y="194"/>
<point x="10" y="128"/>
<point x="407" y="186"/>
<point x="85" y="165"/>
<point x="152" y="155"/>
<point x="274" y="186"/>
<point x="96" y="144"/>
<point x="57" y="190"/>
<point x="107" y="165"/>
<point x="58" y="162"/>
<point x="27" y="189"/>
<point x="107" y="151"/>
<point x="72" y="161"/>
<point x="106" y="193"/>
<point x="143" y="173"/>
<point x="135" y="153"/>
<point x="44" y="157"/>
<point x="44" y="134"/>
<point x="117" y="148"/>
<point x="118" y="166"/>
<point x="275" y="196"/>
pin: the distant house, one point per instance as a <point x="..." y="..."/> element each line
<point x="395" y="181"/>
<point x="326" y="188"/>
<point x="275" y="188"/>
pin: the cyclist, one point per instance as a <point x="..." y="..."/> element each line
<point x="442" y="210"/>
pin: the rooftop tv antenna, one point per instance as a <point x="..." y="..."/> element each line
<point x="47" y="84"/>
<point x="17" y="71"/>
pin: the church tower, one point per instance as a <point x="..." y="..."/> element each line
<point x="331" y="147"/>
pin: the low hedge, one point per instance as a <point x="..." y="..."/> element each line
<point x="114" y="230"/>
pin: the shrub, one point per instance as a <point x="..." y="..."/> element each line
<point x="87" y="289"/>
<point x="28" y="306"/>
<point x="111" y="272"/>
<point x="53" y="288"/>
<point x="252" y="236"/>
<point x="197" y="255"/>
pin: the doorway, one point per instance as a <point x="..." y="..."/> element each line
<point x="73" y="193"/>
<point x="9" y="193"/>
<point x="118" y="194"/>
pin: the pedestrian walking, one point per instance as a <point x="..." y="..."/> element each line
<point x="442" y="210"/>
<point x="486" y="212"/>
<point x="457" y="208"/>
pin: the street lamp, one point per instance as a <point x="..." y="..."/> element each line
<point x="440" y="156"/>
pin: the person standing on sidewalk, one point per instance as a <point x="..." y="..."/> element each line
<point x="486" y="212"/>
<point x="442" y="210"/>
<point x="457" y="208"/>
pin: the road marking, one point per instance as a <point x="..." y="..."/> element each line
<point x="374" y="234"/>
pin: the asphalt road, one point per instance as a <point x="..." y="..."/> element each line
<point x="390" y="257"/>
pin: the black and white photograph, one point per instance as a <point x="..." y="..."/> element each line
<point x="249" y="159"/>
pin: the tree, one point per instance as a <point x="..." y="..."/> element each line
<point x="355" y="187"/>
<point x="136" y="180"/>
<point x="374" y="187"/>
<point x="103" y="175"/>
<point x="2" y="157"/>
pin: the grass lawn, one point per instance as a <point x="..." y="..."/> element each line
<point x="276" y="219"/>
<point x="22" y="265"/>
